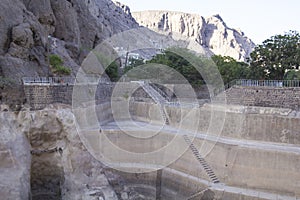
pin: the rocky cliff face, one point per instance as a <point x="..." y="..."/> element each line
<point x="15" y="160"/>
<point x="31" y="29"/>
<point x="31" y="165"/>
<point x="42" y="157"/>
<point x="211" y="33"/>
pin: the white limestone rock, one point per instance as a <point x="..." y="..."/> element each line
<point x="211" y="33"/>
<point x="60" y="163"/>
<point x="15" y="160"/>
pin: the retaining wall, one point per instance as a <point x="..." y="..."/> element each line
<point x="249" y="123"/>
<point x="274" y="172"/>
<point x="257" y="169"/>
<point x="281" y="97"/>
<point x="39" y="96"/>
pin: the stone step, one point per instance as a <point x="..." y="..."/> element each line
<point x="201" y="160"/>
<point x="212" y="175"/>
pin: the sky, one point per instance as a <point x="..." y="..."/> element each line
<point x="258" y="19"/>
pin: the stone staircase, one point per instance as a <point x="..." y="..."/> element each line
<point x="160" y="91"/>
<point x="154" y="94"/>
<point x="198" y="194"/>
<point x="201" y="160"/>
<point x="158" y="99"/>
<point x="164" y="115"/>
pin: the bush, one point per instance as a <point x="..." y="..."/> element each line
<point x="6" y="82"/>
<point x="113" y="71"/>
<point x="62" y="70"/>
<point x="55" y="60"/>
<point x="57" y="63"/>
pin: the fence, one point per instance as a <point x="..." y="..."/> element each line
<point x="257" y="83"/>
<point x="63" y="80"/>
<point x="162" y="93"/>
<point x="265" y="83"/>
<point x="48" y="80"/>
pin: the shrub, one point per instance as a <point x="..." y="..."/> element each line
<point x="57" y="63"/>
<point x="55" y="60"/>
<point x="62" y="70"/>
<point x="112" y="71"/>
<point x="6" y="82"/>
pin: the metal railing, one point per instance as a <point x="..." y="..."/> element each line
<point x="62" y="81"/>
<point x="48" y="80"/>
<point x="162" y="93"/>
<point x="266" y="83"/>
<point x="184" y="104"/>
<point x="257" y="83"/>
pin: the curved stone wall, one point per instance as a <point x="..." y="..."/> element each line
<point x="256" y="156"/>
<point x="240" y="122"/>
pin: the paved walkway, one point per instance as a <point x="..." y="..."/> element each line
<point x="252" y="144"/>
<point x="235" y="190"/>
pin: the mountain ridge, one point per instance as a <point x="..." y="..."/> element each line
<point x="210" y="32"/>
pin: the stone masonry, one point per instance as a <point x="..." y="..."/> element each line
<point x="39" y="96"/>
<point x="264" y="96"/>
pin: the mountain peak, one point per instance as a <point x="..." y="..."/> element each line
<point x="218" y="16"/>
<point x="211" y="33"/>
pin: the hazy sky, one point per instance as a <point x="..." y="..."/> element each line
<point x="258" y="19"/>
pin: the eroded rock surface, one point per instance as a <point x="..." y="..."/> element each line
<point x="211" y="33"/>
<point x="27" y="24"/>
<point x="42" y="157"/>
<point x="61" y="167"/>
<point x="15" y="160"/>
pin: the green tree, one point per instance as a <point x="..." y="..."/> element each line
<point x="113" y="71"/>
<point x="194" y="68"/>
<point x="292" y="75"/>
<point x="275" y="56"/>
<point x="109" y="63"/>
<point x="197" y="70"/>
<point x="133" y="62"/>
<point x="231" y="69"/>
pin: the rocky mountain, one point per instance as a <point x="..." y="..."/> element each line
<point x="32" y="29"/>
<point x="211" y="33"/>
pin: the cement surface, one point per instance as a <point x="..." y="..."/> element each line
<point x="145" y="127"/>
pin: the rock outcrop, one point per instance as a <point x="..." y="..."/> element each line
<point x="29" y="27"/>
<point x="15" y="160"/>
<point x="42" y="157"/>
<point x="211" y="33"/>
<point x="30" y="30"/>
